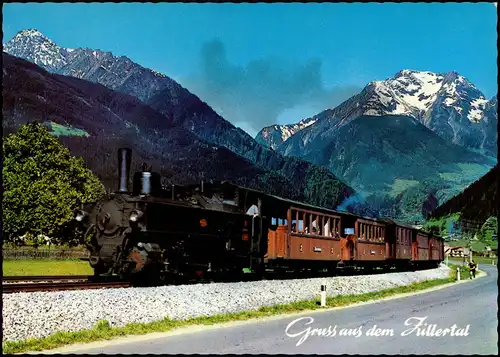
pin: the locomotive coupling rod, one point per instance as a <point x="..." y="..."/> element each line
<point x="323" y="295"/>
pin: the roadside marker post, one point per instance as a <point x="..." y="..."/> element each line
<point x="323" y="295"/>
<point x="458" y="274"/>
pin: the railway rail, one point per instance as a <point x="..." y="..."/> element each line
<point x="61" y="286"/>
<point x="17" y="279"/>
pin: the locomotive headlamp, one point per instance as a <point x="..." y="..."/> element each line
<point x="80" y="215"/>
<point x="136" y="216"/>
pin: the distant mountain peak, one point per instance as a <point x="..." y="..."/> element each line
<point x="275" y="135"/>
<point x="35" y="47"/>
<point x="31" y="33"/>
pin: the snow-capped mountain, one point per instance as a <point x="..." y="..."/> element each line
<point x="448" y="104"/>
<point x="33" y="46"/>
<point x="275" y="135"/>
<point x="115" y="72"/>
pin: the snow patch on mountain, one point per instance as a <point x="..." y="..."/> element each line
<point x="476" y="111"/>
<point x="275" y="135"/>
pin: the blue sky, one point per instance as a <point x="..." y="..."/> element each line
<point x="291" y="60"/>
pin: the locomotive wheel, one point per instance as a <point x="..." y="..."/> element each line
<point x="140" y="259"/>
<point x="235" y="275"/>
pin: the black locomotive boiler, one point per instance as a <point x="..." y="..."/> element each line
<point x="152" y="232"/>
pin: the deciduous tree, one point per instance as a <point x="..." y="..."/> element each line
<point x="42" y="185"/>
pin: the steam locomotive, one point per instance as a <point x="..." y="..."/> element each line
<point x="153" y="232"/>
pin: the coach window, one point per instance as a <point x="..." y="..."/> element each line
<point x="321" y="225"/>
<point x="314" y="224"/>
<point x="326" y="226"/>
<point x="300" y="222"/>
<point x="307" y="223"/>
<point x="295" y="219"/>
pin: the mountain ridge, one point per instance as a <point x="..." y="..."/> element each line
<point x="428" y="97"/>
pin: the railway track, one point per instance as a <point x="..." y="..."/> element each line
<point x="56" y="283"/>
<point x="17" y="279"/>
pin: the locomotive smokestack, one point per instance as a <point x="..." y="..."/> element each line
<point x="124" y="156"/>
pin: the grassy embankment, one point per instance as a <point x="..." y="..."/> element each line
<point x="46" y="267"/>
<point x="103" y="331"/>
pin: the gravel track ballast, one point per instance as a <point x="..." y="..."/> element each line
<point x="39" y="314"/>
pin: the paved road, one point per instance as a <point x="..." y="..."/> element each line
<point x="472" y="304"/>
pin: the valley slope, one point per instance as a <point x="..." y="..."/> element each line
<point x="94" y="121"/>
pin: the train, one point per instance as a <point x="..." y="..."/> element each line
<point x="151" y="231"/>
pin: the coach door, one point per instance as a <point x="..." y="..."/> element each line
<point x="350" y="249"/>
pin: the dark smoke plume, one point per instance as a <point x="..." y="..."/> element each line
<point x="254" y="96"/>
